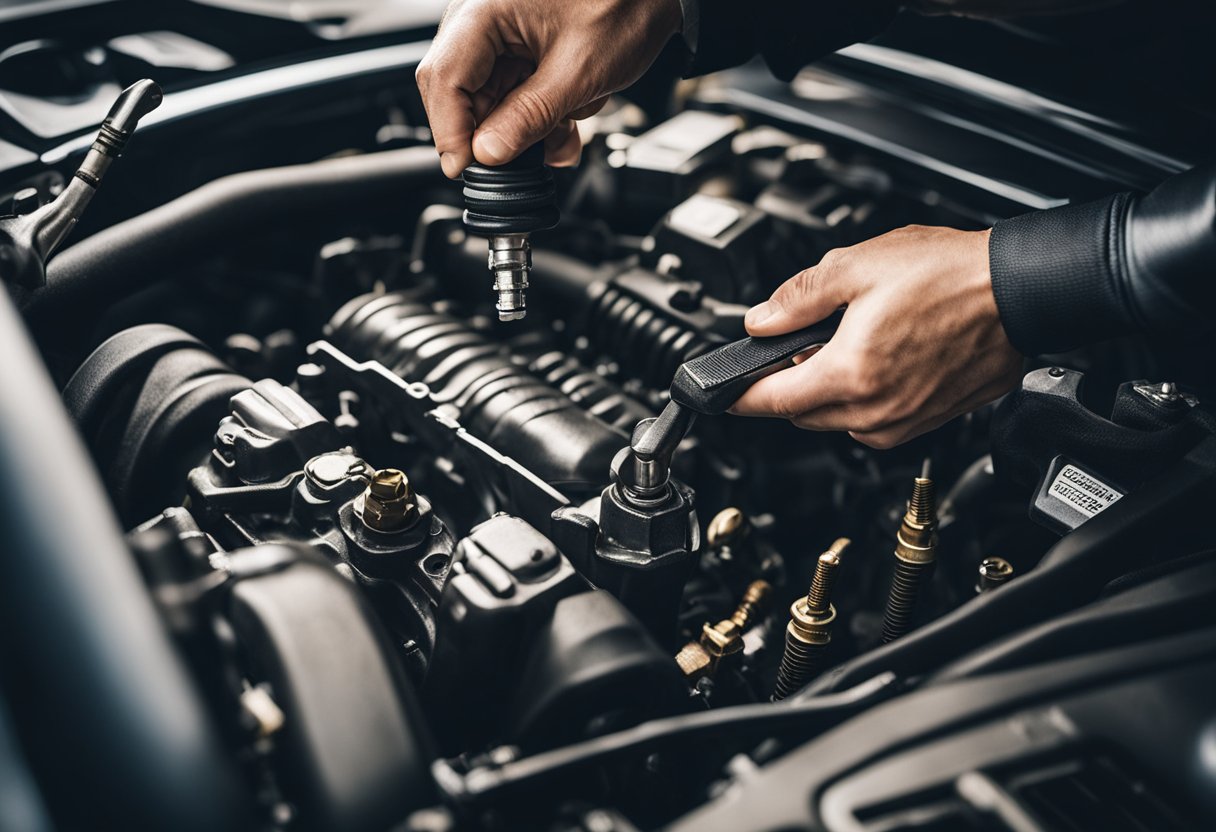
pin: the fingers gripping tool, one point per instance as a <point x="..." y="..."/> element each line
<point x="709" y="385"/>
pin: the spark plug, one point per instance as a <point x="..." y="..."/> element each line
<point x="810" y="627"/>
<point x="915" y="554"/>
<point x="506" y="204"/>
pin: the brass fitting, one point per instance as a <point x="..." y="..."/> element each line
<point x="810" y="627"/>
<point x="728" y="526"/>
<point x="915" y="554"/>
<point x="754" y="604"/>
<point x="916" y="540"/>
<point x="718" y="643"/>
<point x="694" y="661"/>
<point x="387" y="504"/>
<point x="993" y="572"/>
<point x="721" y="642"/>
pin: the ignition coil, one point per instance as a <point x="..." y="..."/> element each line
<point x="505" y="204"/>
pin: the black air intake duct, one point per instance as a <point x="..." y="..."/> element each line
<point x="499" y="400"/>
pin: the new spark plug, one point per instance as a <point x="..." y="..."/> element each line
<point x="505" y="204"/>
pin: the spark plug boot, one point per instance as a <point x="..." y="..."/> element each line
<point x="506" y="204"/>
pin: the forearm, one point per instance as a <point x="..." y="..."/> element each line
<point x="1126" y="264"/>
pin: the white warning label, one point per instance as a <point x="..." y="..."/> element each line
<point x="1084" y="492"/>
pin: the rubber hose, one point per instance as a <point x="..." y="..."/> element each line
<point x="131" y="254"/>
<point x="114" y="727"/>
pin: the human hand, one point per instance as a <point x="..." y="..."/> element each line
<point x="920" y="342"/>
<point x="502" y="75"/>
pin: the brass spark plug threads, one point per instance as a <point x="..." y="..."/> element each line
<point x="810" y="627"/>
<point x="723" y="640"/>
<point x="915" y="553"/>
<point x="754" y="604"/>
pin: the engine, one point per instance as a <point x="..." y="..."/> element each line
<point x="424" y="572"/>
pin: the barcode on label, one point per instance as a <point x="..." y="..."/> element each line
<point x="1084" y="492"/>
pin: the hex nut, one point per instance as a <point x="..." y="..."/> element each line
<point x="387" y="504"/>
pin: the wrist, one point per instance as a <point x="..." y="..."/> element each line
<point x="981" y="271"/>
<point x="982" y="243"/>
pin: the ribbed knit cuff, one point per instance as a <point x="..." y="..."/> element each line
<point x="1055" y="276"/>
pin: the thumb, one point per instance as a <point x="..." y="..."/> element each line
<point x="806" y="298"/>
<point x="528" y="114"/>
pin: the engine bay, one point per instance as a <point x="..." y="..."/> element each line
<point x="421" y="574"/>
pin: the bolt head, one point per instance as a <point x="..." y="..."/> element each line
<point x="655" y="531"/>
<point x="993" y="572"/>
<point x="387" y="505"/>
<point x="996" y="567"/>
<point x="389" y="484"/>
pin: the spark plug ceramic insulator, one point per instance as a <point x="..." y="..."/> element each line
<point x="506" y="204"/>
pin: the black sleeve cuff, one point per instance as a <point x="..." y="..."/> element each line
<point x="788" y="33"/>
<point x="1055" y="275"/>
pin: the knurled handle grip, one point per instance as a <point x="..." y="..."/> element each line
<point x="713" y="382"/>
